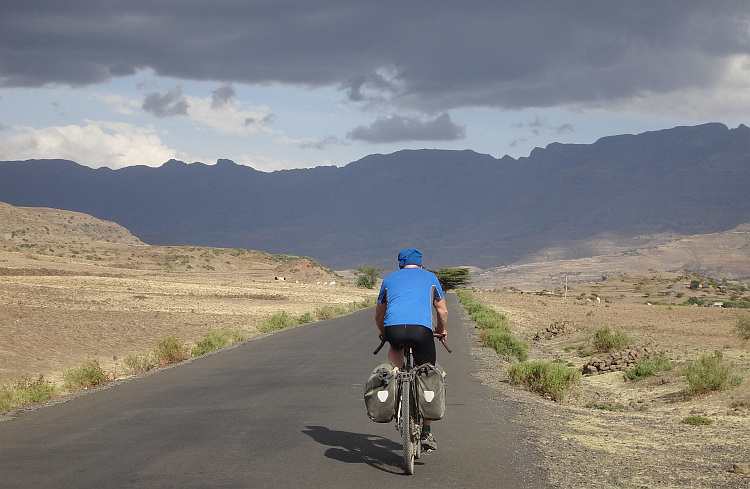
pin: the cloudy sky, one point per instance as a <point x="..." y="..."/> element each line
<point x="285" y="84"/>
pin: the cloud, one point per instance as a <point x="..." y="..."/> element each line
<point x="170" y="104"/>
<point x="453" y="55"/>
<point x="112" y="144"/>
<point x="398" y="128"/>
<point x="221" y="96"/>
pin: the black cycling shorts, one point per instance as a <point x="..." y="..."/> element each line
<point x="420" y="337"/>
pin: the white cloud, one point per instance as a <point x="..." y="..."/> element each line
<point x="229" y="117"/>
<point x="111" y="144"/>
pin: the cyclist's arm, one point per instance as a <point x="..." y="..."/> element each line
<point x="380" y="316"/>
<point x="442" y="315"/>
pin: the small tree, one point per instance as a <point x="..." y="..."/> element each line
<point x="453" y="278"/>
<point x="367" y="275"/>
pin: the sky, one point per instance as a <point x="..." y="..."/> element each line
<point x="277" y="84"/>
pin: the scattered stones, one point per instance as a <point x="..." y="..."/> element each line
<point x="556" y="329"/>
<point x="617" y="361"/>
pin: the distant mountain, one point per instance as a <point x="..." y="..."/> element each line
<point x="458" y="207"/>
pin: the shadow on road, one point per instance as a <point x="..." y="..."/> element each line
<point x="357" y="448"/>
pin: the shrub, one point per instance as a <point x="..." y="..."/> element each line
<point x="275" y="322"/>
<point x="607" y="340"/>
<point x="709" y="373"/>
<point x="139" y="362"/>
<point x="742" y="327"/>
<point x="24" y="392"/>
<point x="325" y="312"/>
<point x="506" y="345"/>
<point x="169" y="350"/>
<point x="548" y="379"/>
<point x="367" y="276"/>
<point x="696" y="421"/>
<point x="604" y="407"/>
<point x="305" y="318"/>
<point x="648" y="367"/>
<point x="89" y="374"/>
<point x="213" y="339"/>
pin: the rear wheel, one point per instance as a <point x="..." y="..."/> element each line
<point x="406" y="423"/>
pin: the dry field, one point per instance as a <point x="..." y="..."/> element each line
<point x="644" y="444"/>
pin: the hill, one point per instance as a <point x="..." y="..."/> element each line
<point x="458" y="207"/>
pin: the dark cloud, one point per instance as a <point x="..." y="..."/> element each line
<point x="222" y="96"/>
<point x="322" y="144"/>
<point x="170" y="104"/>
<point x="397" y="128"/>
<point x="432" y="59"/>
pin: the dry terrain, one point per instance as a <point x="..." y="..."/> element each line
<point x="641" y="443"/>
<point x="72" y="286"/>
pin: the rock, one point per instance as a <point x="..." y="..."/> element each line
<point x="741" y="468"/>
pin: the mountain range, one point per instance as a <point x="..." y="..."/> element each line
<point x="459" y="207"/>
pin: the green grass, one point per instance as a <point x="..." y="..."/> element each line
<point x="275" y="322"/>
<point x="709" y="373"/>
<point x="550" y="379"/>
<point x="169" y="350"/>
<point x="608" y="340"/>
<point x="213" y="339"/>
<point x="26" y="391"/>
<point x="696" y="421"/>
<point x="88" y="374"/>
<point x="647" y="368"/>
<point x="496" y="331"/>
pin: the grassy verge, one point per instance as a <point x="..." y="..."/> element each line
<point x="647" y="368"/>
<point x="495" y="331"/>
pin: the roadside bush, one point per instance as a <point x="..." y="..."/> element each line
<point x="607" y="340"/>
<point x="554" y="380"/>
<point x="367" y="275"/>
<point x="506" y="345"/>
<point x="305" y="318"/>
<point x="139" y="362"/>
<point x="325" y="312"/>
<point x="742" y="327"/>
<point x="25" y="391"/>
<point x="169" y="350"/>
<point x="710" y="372"/>
<point x="648" y="367"/>
<point x="89" y="374"/>
<point x="275" y="322"/>
<point x="213" y="339"/>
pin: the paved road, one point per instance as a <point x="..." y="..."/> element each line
<point x="282" y="411"/>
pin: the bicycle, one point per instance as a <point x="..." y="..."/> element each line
<point x="409" y="419"/>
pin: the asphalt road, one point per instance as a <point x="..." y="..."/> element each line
<point x="281" y="411"/>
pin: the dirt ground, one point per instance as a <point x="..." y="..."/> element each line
<point x="643" y="445"/>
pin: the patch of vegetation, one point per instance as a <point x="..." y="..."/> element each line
<point x="25" y="391"/>
<point x="367" y="275"/>
<point x="696" y="421"/>
<point x="709" y="373"/>
<point x="213" y="339"/>
<point x="305" y="318"/>
<point x="742" y="327"/>
<point x="275" y="322"/>
<point x="325" y="312"/>
<point x="604" y="407"/>
<point x="452" y="278"/>
<point x="169" y="350"/>
<point x="549" y="379"/>
<point x="495" y="332"/>
<point x="139" y="362"/>
<point x="88" y="374"/>
<point x="608" y="340"/>
<point x="648" y="367"/>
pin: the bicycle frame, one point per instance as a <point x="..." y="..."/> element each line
<point x="409" y="419"/>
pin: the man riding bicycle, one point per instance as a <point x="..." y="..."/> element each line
<point x="411" y="306"/>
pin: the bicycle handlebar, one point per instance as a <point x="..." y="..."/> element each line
<point x="434" y="335"/>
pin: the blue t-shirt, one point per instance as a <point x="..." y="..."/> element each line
<point x="409" y="294"/>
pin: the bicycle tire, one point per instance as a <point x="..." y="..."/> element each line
<point x="406" y="427"/>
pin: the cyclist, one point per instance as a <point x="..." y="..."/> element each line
<point x="411" y="306"/>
